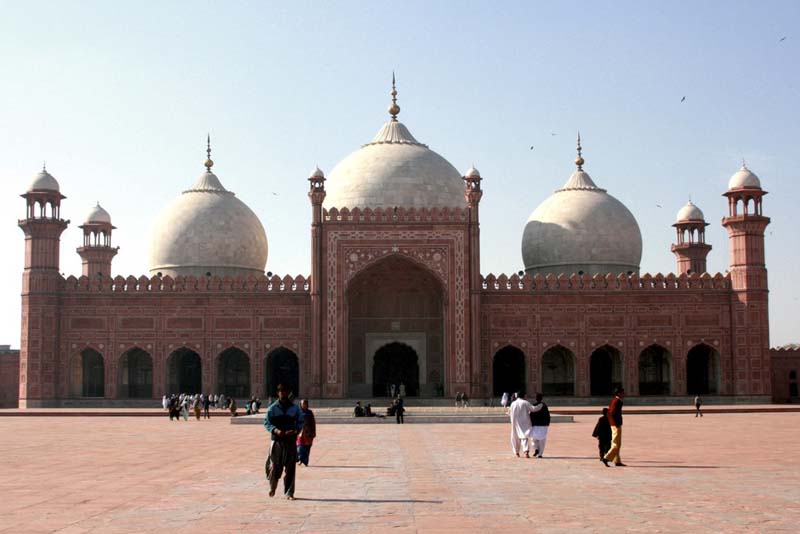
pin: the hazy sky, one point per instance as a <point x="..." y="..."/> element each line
<point x="118" y="97"/>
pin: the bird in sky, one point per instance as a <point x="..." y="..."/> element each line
<point x="682" y="99"/>
<point x="782" y="39"/>
<point x="553" y="133"/>
<point x="531" y="148"/>
<point x="274" y="193"/>
<point x="658" y="205"/>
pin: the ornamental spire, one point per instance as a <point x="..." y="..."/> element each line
<point x="394" y="109"/>
<point x="579" y="160"/>
<point x="209" y="162"/>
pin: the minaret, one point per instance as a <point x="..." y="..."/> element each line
<point x="39" y="345"/>
<point x="97" y="251"/>
<point x="473" y="194"/>
<point x="691" y="248"/>
<point x="749" y="314"/>
<point x="316" y="195"/>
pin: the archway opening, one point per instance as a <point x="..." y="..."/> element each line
<point x="654" y="371"/>
<point x="508" y="371"/>
<point x="558" y="371"/>
<point x="396" y="300"/>
<point x="395" y="364"/>
<point x="605" y="369"/>
<point x="185" y="371"/>
<point x="282" y="367"/>
<point x="702" y="370"/>
<point x="233" y="373"/>
<point x="136" y="374"/>
<point x="92" y="371"/>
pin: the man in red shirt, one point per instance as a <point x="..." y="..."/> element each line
<point x="615" y="420"/>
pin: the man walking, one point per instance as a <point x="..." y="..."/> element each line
<point x="615" y="420"/>
<point x="284" y="421"/>
<point x="520" y="414"/>
<point x="540" y="421"/>
<point x="697" y="403"/>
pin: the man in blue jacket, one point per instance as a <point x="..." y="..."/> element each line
<point x="284" y="420"/>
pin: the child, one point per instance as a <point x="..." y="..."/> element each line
<point x="602" y="431"/>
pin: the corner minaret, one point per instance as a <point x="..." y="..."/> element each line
<point x="316" y="194"/>
<point x="97" y="251"/>
<point x="691" y="248"/>
<point x="749" y="302"/>
<point x="39" y="343"/>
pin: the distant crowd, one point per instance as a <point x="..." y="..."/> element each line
<point x="200" y="404"/>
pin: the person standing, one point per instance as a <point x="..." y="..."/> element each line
<point x="399" y="410"/>
<point x="284" y="420"/>
<point x="602" y="431"/>
<point x="402" y="390"/>
<point x="615" y="421"/>
<point x="504" y="401"/>
<point x="206" y="406"/>
<point x="520" y="414"/>
<point x="458" y="399"/>
<point x="307" y="435"/>
<point x="392" y="390"/>
<point x="185" y="408"/>
<point x="196" y="406"/>
<point x="697" y="403"/>
<point x="540" y="421"/>
<point x="232" y="406"/>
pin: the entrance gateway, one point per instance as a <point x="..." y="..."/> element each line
<point x="397" y="358"/>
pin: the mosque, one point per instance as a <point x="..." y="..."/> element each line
<point x="394" y="294"/>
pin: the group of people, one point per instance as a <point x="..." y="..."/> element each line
<point x="395" y="390"/>
<point x="462" y="400"/>
<point x="184" y="405"/>
<point x="292" y="430"/>
<point x="529" y="423"/>
<point x="395" y="409"/>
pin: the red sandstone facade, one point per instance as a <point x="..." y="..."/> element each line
<point x="9" y="377"/>
<point x="400" y="278"/>
<point x="785" y="370"/>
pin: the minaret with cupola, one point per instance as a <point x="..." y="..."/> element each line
<point x="39" y="345"/>
<point x="746" y="224"/>
<point x="97" y="251"/>
<point x="473" y="194"/>
<point x="691" y="248"/>
<point x="316" y="194"/>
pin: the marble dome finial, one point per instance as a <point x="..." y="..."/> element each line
<point x="209" y="162"/>
<point x="579" y="160"/>
<point x="394" y="109"/>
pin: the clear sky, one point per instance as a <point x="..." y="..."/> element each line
<point x="117" y="97"/>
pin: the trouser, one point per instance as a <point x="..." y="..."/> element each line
<point x="538" y="445"/>
<point x="399" y="415"/>
<point x="282" y="455"/>
<point x="515" y="441"/>
<point x="603" y="447"/>
<point x="697" y="411"/>
<point x="616" y="444"/>
<point x="303" y="453"/>
<point x="206" y="415"/>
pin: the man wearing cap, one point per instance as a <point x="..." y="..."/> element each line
<point x="284" y="420"/>
<point x="615" y="420"/>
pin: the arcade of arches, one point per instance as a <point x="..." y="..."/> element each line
<point x="395" y="315"/>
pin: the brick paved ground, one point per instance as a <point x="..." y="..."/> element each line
<point x="728" y="472"/>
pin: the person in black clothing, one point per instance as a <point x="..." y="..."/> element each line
<point x="358" y="411"/>
<point x="174" y="410"/>
<point x="602" y="431"/>
<point x="284" y="420"/>
<point x="540" y="422"/>
<point x="399" y="410"/>
<point x="206" y="406"/>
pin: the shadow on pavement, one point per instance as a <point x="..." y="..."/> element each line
<point x="349" y="466"/>
<point x="372" y="501"/>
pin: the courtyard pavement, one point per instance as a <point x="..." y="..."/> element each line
<point x="721" y="473"/>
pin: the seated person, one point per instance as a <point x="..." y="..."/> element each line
<point x="368" y="411"/>
<point x="358" y="411"/>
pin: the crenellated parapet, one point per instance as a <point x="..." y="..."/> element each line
<point x="395" y="215"/>
<point x="621" y="282"/>
<point x="187" y="284"/>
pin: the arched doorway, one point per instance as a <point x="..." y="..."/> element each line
<point x="558" y="371"/>
<point x="185" y="372"/>
<point x="605" y="370"/>
<point x="508" y="371"/>
<point x="233" y="373"/>
<point x="88" y="374"/>
<point x="395" y="363"/>
<point x="282" y="368"/>
<point x="793" y="392"/>
<point x="702" y="370"/>
<point x="395" y="300"/>
<point x="136" y="374"/>
<point x="654" y="371"/>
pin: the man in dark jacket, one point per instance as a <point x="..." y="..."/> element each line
<point x="602" y="431"/>
<point x="540" y="424"/>
<point x="615" y="420"/>
<point x="284" y="421"/>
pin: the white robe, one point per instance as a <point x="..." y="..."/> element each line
<point x="520" y="418"/>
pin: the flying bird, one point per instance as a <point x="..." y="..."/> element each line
<point x="658" y="205"/>
<point x="553" y="133"/>
<point x="531" y="148"/>
<point x="782" y="39"/>
<point x="274" y="193"/>
<point x="682" y="99"/>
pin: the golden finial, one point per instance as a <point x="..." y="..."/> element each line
<point x="209" y="162"/>
<point x="579" y="160"/>
<point x="394" y="109"/>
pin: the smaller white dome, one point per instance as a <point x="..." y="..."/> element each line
<point x="744" y="177"/>
<point x="689" y="212"/>
<point x="472" y="172"/>
<point x="316" y="173"/>
<point x="43" y="181"/>
<point x="98" y="215"/>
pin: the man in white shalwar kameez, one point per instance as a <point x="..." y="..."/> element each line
<point x="520" y="413"/>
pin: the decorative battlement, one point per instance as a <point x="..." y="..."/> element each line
<point x="186" y="284"/>
<point x="610" y="282"/>
<point x="394" y="215"/>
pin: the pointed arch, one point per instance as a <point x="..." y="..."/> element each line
<point x="135" y="379"/>
<point x="702" y="370"/>
<point x="605" y="370"/>
<point x="508" y="371"/>
<point x="282" y="367"/>
<point x="184" y="371"/>
<point x="655" y="371"/>
<point x="233" y="373"/>
<point x="87" y="374"/>
<point x="558" y="371"/>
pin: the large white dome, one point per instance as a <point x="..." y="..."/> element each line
<point x="394" y="169"/>
<point x="208" y="230"/>
<point x="581" y="228"/>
